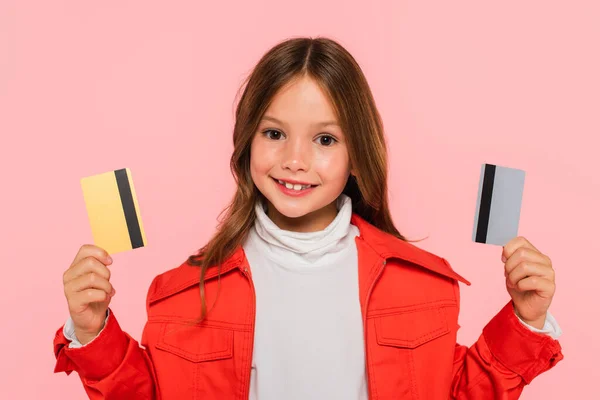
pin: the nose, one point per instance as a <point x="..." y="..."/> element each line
<point x="296" y="155"/>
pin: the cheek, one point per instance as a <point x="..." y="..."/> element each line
<point x="333" y="165"/>
<point x="261" y="158"/>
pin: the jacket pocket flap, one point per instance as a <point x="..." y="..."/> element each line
<point x="411" y="329"/>
<point x="196" y="343"/>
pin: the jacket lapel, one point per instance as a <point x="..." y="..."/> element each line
<point x="187" y="275"/>
<point x="388" y="246"/>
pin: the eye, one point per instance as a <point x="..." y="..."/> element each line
<point x="272" y="134"/>
<point x="327" y="140"/>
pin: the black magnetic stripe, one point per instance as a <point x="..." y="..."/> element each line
<point x="133" y="226"/>
<point x="486" y="203"/>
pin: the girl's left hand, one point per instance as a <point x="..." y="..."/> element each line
<point x="529" y="280"/>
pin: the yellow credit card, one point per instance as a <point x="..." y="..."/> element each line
<point x="113" y="211"/>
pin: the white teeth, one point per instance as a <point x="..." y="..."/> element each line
<point x="292" y="186"/>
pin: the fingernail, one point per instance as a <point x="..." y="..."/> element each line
<point x="109" y="259"/>
<point x="113" y="292"/>
<point x="503" y="259"/>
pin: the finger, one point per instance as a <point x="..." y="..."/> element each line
<point x="525" y="254"/>
<point x="88" y="281"/>
<point x="90" y="250"/>
<point x="88" y="296"/>
<point x="86" y="265"/>
<point x="527" y="269"/>
<point x="542" y="286"/>
<point x="515" y="244"/>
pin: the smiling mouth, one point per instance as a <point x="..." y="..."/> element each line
<point x="294" y="186"/>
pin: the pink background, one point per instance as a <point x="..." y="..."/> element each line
<point x="88" y="87"/>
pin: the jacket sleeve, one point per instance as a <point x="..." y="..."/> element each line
<point x="112" y="366"/>
<point x="505" y="358"/>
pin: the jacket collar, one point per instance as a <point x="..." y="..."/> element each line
<point x="385" y="245"/>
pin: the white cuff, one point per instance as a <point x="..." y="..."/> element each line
<point x="550" y="328"/>
<point x="69" y="332"/>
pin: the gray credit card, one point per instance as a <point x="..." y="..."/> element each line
<point x="498" y="204"/>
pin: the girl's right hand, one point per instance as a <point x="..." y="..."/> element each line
<point x="88" y="291"/>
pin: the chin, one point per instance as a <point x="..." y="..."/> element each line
<point x="291" y="211"/>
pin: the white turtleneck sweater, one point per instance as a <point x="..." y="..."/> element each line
<point x="308" y="339"/>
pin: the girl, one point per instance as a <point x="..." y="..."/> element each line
<point x="307" y="290"/>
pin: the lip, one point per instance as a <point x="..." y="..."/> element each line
<point x="294" y="182"/>
<point x="292" y="192"/>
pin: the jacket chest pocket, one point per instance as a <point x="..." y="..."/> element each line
<point x="196" y="343"/>
<point x="195" y="361"/>
<point x="411" y="329"/>
<point x="411" y="352"/>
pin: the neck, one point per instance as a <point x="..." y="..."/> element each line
<point x="311" y="222"/>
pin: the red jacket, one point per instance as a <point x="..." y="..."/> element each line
<point x="410" y="303"/>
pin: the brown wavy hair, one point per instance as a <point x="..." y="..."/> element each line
<point x="338" y="74"/>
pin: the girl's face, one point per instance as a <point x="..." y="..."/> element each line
<point x="297" y="142"/>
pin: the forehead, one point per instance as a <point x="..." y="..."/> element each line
<point x="301" y="102"/>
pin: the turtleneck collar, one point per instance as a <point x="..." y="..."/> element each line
<point x="303" y="247"/>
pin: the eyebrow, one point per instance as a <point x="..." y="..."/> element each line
<point x="320" y="124"/>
